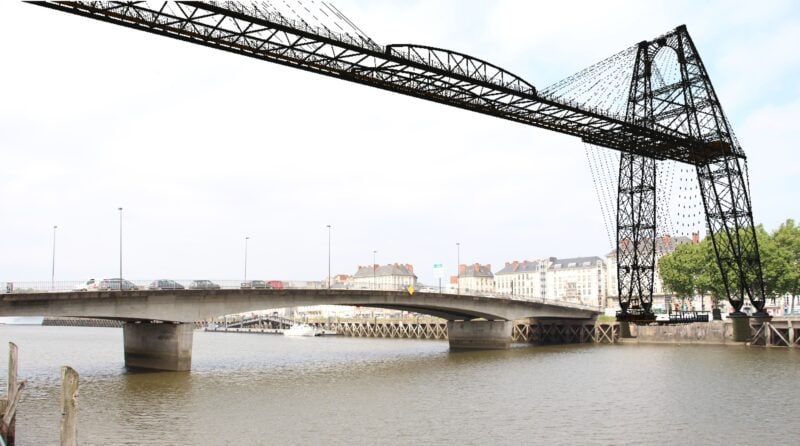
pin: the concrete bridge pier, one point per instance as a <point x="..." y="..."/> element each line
<point x="479" y="335"/>
<point x="158" y="346"/>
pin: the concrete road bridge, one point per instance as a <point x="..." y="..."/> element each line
<point x="159" y="323"/>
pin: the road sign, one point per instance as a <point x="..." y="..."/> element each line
<point x="438" y="270"/>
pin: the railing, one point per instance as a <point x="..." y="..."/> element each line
<point x="61" y="286"/>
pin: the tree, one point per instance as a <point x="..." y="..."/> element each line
<point x="787" y="243"/>
<point x="773" y="263"/>
<point x="682" y="269"/>
<point x="710" y="280"/>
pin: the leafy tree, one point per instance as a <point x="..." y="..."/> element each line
<point x="710" y="280"/>
<point x="693" y="268"/>
<point x="773" y="263"/>
<point x="681" y="269"/>
<point x="787" y="243"/>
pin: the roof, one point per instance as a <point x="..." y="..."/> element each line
<point x="476" y="270"/>
<point x="384" y="270"/>
<point x="576" y="262"/>
<point x="664" y="244"/>
<point x="525" y="266"/>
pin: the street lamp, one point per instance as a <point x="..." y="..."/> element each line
<point x="53" y="264"/>
<point x="120" y="248"/>
<point x="374" y="285"/>
<point x="329" y="256"/>
<point x="245" y="258"/>
<point x="458" y="268"/>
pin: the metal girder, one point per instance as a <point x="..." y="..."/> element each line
<point x="433" y="74"/>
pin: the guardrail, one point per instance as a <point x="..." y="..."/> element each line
<point x="61" y="286"/>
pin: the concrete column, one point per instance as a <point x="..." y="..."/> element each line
<point x="479" y="334"/>
<point x="164" y="346"/>
<point x="625" y="330"/>
<point x="741" y="326"/>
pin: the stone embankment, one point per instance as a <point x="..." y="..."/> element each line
<point x="775" y="332"/>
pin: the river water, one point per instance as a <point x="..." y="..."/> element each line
<point x="248" y="389"/>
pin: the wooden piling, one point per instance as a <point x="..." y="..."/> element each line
<point x="8" y="407"/>
<point x="69" y="411"/>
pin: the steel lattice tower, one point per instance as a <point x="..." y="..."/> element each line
<point x="689" y="106"/>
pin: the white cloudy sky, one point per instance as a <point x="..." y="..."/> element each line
<point x="203" y="148"/>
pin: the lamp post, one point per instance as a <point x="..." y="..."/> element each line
<point x="120" y="248"/>
<point x="53" y="263"/>
<point x="374" y="285"/>
<point x="329" y="256"/>
<point x="458" y="268"/>
<point x="245" y="258"/>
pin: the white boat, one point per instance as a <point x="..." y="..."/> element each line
<point x="300" y="330"/>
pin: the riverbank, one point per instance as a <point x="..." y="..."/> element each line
<point x="776" y="332"/>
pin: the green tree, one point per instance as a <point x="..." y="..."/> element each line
<point x="681" y="269"/>
<point x="773" y="263"/>
<point x="787" y="243"/>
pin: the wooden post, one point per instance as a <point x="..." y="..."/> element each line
<point x="12" y="369"/>
<point x="8" y="422"/>
<point x="69" y="411"/>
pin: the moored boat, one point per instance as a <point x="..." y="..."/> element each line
<point x="300" y="330"/>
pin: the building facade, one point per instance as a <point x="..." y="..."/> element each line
<point x="526" y="278"/>
<point x="475" y="279"/>
<point x="581" y="280"/>
<point x="384" y="277"/>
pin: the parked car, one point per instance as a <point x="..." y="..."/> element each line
<point x="203" y="285"/>
<point x="254" y="285"/>
<point x="107" y="285"/>
<point x="165" y="284"/>
<point x="275" y="284"/>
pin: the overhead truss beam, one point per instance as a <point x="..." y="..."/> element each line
<point x="433" y="74"/>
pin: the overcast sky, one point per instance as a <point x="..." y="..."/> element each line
<point x="202" y="148"/>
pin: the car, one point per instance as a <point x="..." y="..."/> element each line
<point x="203" y="285"/>
<point x="254" y="285"/>
<point x="165" y="284"/>
<point x="107" y="285"/>
<point x="275" y="284"/>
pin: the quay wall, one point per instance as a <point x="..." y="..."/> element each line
<point x="774" y="332"/>
<point x="713" y="333"/>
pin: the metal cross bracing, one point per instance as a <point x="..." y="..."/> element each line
<point x="680" y="120"/>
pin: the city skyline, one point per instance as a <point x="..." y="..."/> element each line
<point x="239" y="148"/>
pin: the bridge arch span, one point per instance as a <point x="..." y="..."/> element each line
<point x="186" y="306"/>
<point x="161" y="337"/>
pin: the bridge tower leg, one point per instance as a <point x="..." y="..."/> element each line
<point x="723" y="182"/>
<point x="158" y="346"/>
<point x="636" y="205"/>
<point x="690" y="106"/>
<point x="479" y="335"/>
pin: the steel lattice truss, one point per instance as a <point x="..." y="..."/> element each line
<point x="682" y="121"/>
